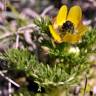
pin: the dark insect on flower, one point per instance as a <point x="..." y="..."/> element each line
<point x="68" y="27"/>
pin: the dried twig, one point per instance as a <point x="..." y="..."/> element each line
<point x="6" y="35"/>
<point x="47" y="10"/>
<point x="9" y="88"/>
<point x="13" y="15"/>
<point x="20" y="30"/>
<point x="17" y="40"/>
<point x="30" y="26"/>
<point x="85" y="85"/>
<point x="3" y="28"/>
<point x="31" y="13"/>
<point x="9" y="80"/>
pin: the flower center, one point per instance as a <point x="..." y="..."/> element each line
<point x="67" y="27"/>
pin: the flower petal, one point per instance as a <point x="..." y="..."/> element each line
<point x="82" y="29"/>
<point x="62" y="14"/>
<point x="71" y="38"/>
<point x="54" y="34"/>
<point x="75" y="15"/>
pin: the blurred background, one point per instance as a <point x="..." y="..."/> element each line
<point x="29" y="8"/>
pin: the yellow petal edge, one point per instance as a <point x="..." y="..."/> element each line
<point x="61" y="16"/>
<point x="75" y="15"/>
<point x="54" y="34"/>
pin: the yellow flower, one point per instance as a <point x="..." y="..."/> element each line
<point x="67" y="27"/>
